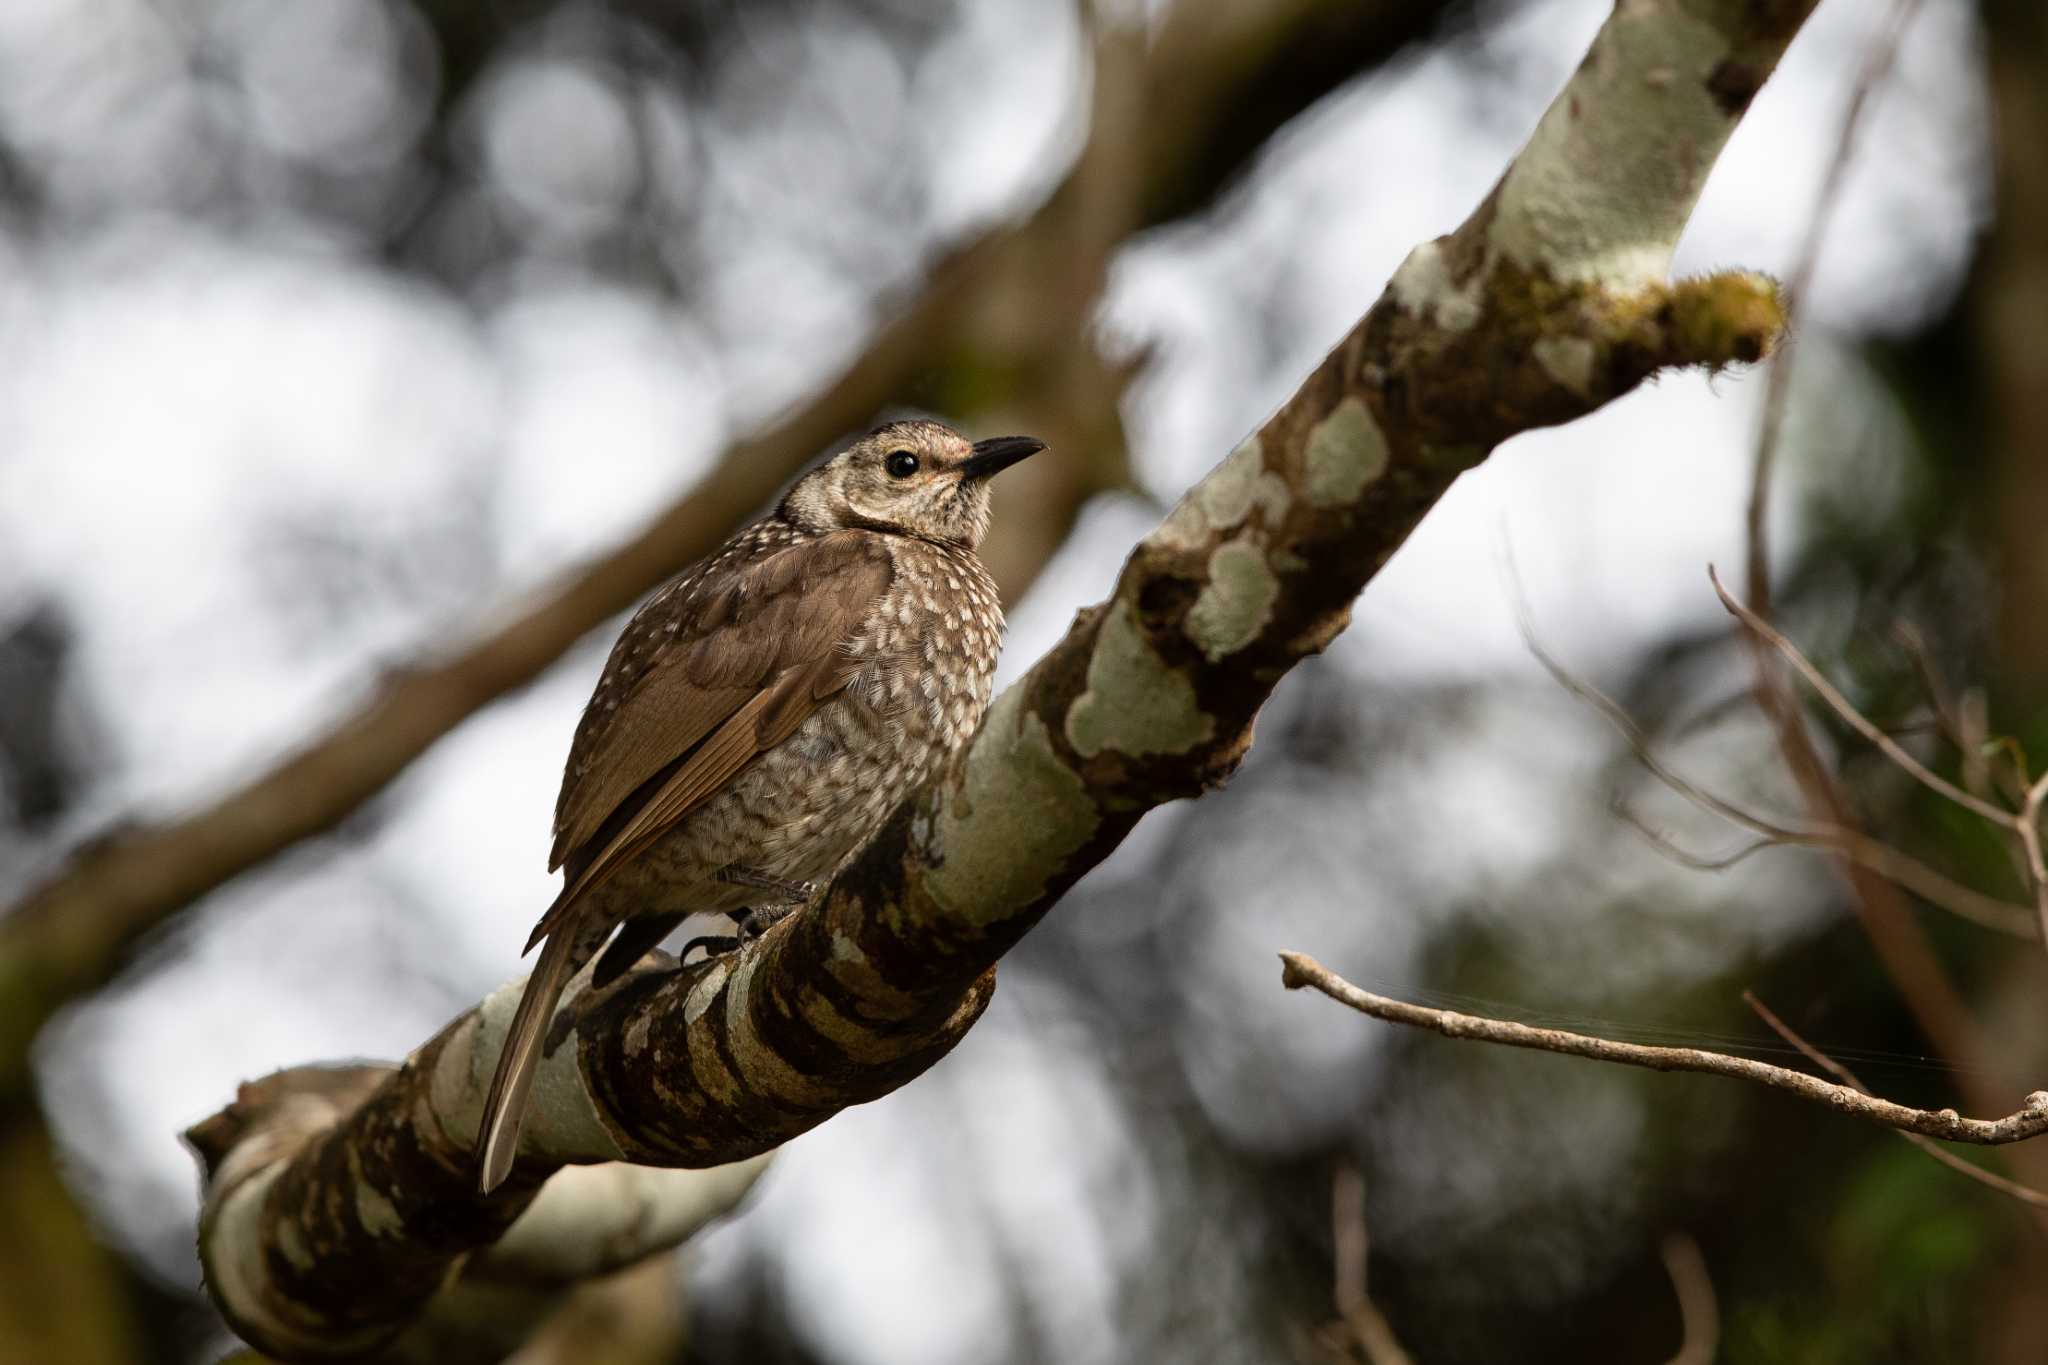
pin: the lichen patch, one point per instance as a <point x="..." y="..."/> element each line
<point x="1024" y="814"/>
<point x="1227" y="493"/>
<point x="1186" y="526"/>
<point x="1590" y="199"/>
<point x="378" y="1215"/>
<point x="1237" y="602"/>
<point x="1424" y="288"/>
<point x="1345" y="453"/>
<point x="1134" y="703"/>
<point x="1568" y="360"/>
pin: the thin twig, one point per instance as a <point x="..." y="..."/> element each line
<point x="1301" y="970"/>
<point x="1874" y="854"/>
<point x="2029" y="829"/>
<point x="1631" y="733"/>
<point x="1361" y="1318"/>
<point x="1934" y="1149"/>
<point x="1931" y="885"/>
<point x="1699" y="1314"/>
<point x="1946" y="719"/>
<point x="1846" y="709"/>
<point x="1877" y="64"/>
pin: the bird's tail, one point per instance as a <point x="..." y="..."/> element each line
<point x="505" y="1106"/>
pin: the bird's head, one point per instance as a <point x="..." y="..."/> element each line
<point x="909" y="478"/>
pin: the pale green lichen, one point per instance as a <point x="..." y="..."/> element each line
<point x="1134" y="703"/>
<point x="1225" y="498"/>
<point x="562" y="1116"/>
<point x="1186" y="526"/>
<point x="1270" y="495"/>
<point x="1599" y="193"/>
<point x="1345" y="453"/>
<point x="768" y="1073"/>
<point x="1236" y="603"/>
<point x="1239" y="484"/>
<point x="705" y="990"/>
<point x="1021" y="813"/>
<point x="376" y="1212"/>
<point x="1423" y="287"/>
<point x="1226" y="494"/>
<point x="844" y="949"/>
<point x="1568" y="360"/>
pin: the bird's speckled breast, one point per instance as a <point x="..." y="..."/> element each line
<point x="928" y="654"/>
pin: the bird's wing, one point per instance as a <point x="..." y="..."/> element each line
<point x="756" y="647"/>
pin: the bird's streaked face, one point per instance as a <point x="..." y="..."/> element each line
<point x="909" y="478"/>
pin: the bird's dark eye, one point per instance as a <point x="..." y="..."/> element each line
<point x="901" y="464"/>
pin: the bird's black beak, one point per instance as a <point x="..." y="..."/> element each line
<point x="998" y="453"/>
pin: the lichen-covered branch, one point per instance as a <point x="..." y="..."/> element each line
<point x="584" y="1224"/>
<point x="1547" y="303"/>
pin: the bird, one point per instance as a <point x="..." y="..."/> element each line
<point x="762" y="714"/>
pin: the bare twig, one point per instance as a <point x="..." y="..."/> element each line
<point x="1877" y="65"/>
<point x="1699" y="1314"/>
<point x="1846" y="709"/>
<point x="2025" y="825"/>
<point x="1931" y="885"/>
<point x="1301" y="970"/>
<point x="1859" y="848"/>
<point x="2029" y="830"/>
<point x="1947" y="1158"/>
<point x="1360" y="1317"/>
<point x="1946" y="719"/>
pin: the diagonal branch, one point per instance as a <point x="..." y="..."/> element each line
<point x="2031" y="1122"/>
<point x="1548" y="302"/>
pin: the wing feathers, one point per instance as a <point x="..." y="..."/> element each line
<point x="755" y="658"/>
<point x="693" y="656"/>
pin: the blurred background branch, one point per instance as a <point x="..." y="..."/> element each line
<point x="2019" y="1126"/>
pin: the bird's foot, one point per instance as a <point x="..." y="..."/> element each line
<point x="749" y="923"/>
<point x="714" y="945"/>
<point x="756" y="920"/>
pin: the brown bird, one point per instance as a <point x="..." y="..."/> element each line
<point x="762" y="714"/>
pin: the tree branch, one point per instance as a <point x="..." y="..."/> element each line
<point x="2031" y="1122"/>
<point x="1699" y="1313"/>
<point x="1989" y="1179"/>
<point x="1548" y="302"/>
<point x="587" y="1223"/>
